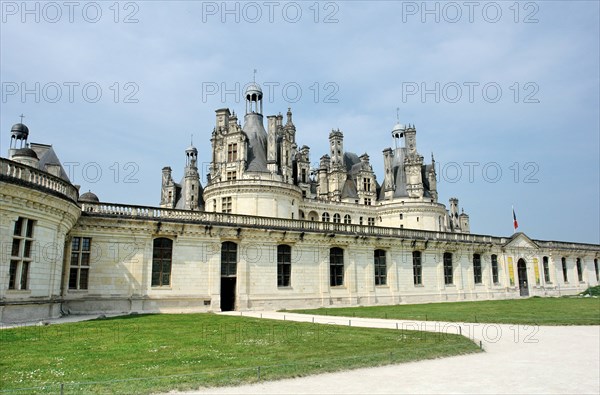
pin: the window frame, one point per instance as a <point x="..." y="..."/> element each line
<point x="565" y="271"/>
<point x="477" y="270"/>
<point x="21" y="254"/>
<point x="417" y="257"/>
<point x="546" y="269"/>
<point x="448" y="269"/>
<point x="336" y="267"/>
<point x="284" y="266"/>
<point x="380" y="267"/>
<point x="161" y="263"/>
<point x="495" y="269"/>
<point x="79" y="265"/>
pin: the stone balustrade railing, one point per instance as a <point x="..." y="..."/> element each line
<point x="224" y="219"/>
<point x="15" y="172"/>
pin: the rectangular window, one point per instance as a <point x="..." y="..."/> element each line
<point x="417" y="268"/>
<point x="380" y="267"/>
<point x="563" y="261"/>
<point x="367" y="184"/>
<point x="284" y="265"/>
<point x="495" y="269"/>
<point x="579" y="270"/>
<point x="21" y="254"/>
<point x="226" y="205"/>
<point x="336" y="267"/>
<point x="477" y="268"/>
<point x="367" y="201"/>
<point x="303" y="176"/>
<point x="596" y="268"/>
<point x="162" y="253"/>
<point x="546" y="270"/>
<point x="231" y="176"/>
<point x="448" y="269"/>
<point x="371" y="221"/>
<point x="232" y="152"/>
<point x="80" y="262"/>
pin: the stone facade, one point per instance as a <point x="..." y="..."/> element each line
<point x="266" y="232"/>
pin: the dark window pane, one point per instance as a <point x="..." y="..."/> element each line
<point x="495" y="269"/>
<point x="83" y="279"/>
<point x="29" y="228"/>
<point x="73" y="278"/>
<point x="74" y="258"/>
<point x="448" y="270"/>
<point x="12" y="274"/>
<point x="85" y="259"/>
<point x="24" y="274"/>
<point x="27" y="251"/>
<point x="18" y="227"/>
<point x="16" y="246"/>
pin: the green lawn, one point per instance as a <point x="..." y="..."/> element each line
<point x="202" y="349"/>
<point x="532" y="311"/>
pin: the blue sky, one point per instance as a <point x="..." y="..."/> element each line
<point x="505" y="94"/>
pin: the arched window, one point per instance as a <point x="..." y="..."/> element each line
<point x="477" y="268"/>
<point x="325" y="217"/>
<point x="579" y="270"/>
<point x="546" y="270"/>
<point x="380" y="267"/>
<point x="347" y="219"/>
<point x="284" y="265"/>
<point x="336" y="218"/>
<point x="417" y="268"/>
<point x="336" y="267"/>
<point x="563" y="261"/>
<point x="448" y="269"/>
<point x="162" y="253"/>
<point x="495" y="279"/>
<point x="228" y="259"/>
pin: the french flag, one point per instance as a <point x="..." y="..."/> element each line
<point x="515" y="223"/>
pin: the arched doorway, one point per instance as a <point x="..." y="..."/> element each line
<point x="522" y="273"/>
<point x="228" y="275"/>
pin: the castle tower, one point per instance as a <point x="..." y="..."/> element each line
<point x="336" y="148"/>
<point x="412" y="164"/>
<point x="168" y="196"/>
<point x="19" y="150"/>
<point x="454" y="223"/>
<point x="191" y="187"/>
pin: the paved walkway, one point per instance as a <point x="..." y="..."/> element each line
<point x="518" y="360"/>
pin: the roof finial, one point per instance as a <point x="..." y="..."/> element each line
<point x="22" y="116"/>
<point x="192" y="139"/>
<point x="398" y="114"/>
<point x="254" y="77"/>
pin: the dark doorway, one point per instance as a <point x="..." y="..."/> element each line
<point x="228" y="275"/>
<point x="522" y="273"/>
<point x="227" y="293"/>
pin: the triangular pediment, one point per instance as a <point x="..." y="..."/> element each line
<point x="520" y="240"/>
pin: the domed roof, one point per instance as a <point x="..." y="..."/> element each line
<point x="398" y="128"/>
<point x="89" y="196"/>
<point x="191" y="149"/>
<point x="253" y="89"/>
<point x="19" y="129"/>
<point x="25" y="153"/>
